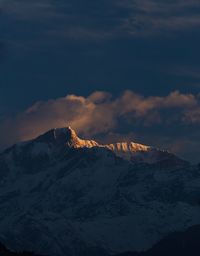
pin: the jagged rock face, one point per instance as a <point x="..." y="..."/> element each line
<point x="62" y="195"/>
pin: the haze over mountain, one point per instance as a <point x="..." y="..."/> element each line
<point x="61" y="194"/>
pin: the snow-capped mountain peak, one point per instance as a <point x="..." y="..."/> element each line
<point x="67" y="138"/>
<point x="64" y="137"/>
<point x="67" y="134"/>
<point x="70" y="138"/>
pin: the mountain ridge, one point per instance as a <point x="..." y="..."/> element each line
<point x="135" y="152"/>
<point x="56" y="197"/>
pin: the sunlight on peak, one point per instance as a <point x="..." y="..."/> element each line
<point x="72" y="140"/>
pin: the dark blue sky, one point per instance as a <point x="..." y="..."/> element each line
<point x="49" y="49"/>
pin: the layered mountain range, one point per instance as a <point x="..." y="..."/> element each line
<point x="62" y="195"/>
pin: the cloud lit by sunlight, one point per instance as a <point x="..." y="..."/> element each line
<point x="100" y="113"/>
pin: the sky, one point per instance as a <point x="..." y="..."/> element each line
<point x="112" y="69"/>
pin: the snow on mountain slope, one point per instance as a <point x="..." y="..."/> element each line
<point x="61" y="195"/>
<point x="128" y="150"/>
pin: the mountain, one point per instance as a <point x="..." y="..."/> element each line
<point x="178" y="243"/>
<point x="61" y="195"/>
<point x="47" y="143"/>
<point x="5" y="252"/>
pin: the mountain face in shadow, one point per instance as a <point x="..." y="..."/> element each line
<point x="60" y="193"/>
<point x="5" y="252"/>
<point x="179" y="243"/>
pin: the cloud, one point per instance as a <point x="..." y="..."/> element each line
<point x="150" y="17"/>
<point x="192" y="72"/>
<point x="105" y="19"/>
<point x="101" y="113"/>
<point x="193" y="115"/>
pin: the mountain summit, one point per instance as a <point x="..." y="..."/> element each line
<point x="67" y="138"/>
